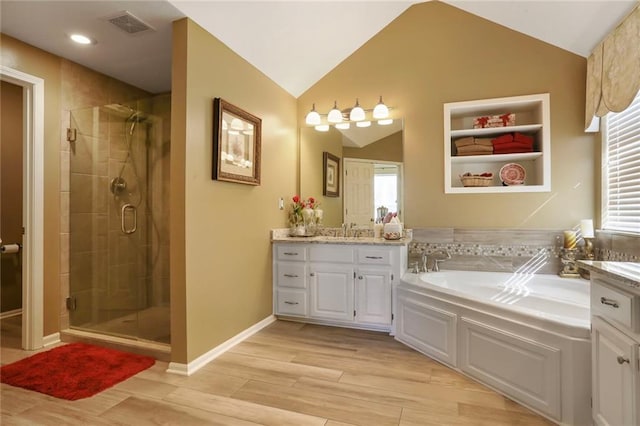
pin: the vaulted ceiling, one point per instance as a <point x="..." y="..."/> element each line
<point x="295" y="43"/>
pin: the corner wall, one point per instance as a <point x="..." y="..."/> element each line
<point x="435" y="53"/>
<point x="221" y="274"/>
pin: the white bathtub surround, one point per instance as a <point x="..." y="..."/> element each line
<point x="525" y="335"/>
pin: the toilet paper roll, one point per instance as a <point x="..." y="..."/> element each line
<point x="10" y="248"/>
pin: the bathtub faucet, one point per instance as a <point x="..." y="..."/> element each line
<point x="437" y="256"/>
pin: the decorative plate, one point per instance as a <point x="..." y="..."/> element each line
<point x="512" y="174"/>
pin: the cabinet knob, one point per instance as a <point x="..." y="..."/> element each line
<point x="313" y="274"/>
<point x="622" y="360"/>
<point x="360" y="277"/>
<point x="609" y="302"/>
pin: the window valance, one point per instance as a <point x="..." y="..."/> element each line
<point x="613" y="70"/>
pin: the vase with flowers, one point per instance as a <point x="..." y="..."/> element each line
<point x="303" y="219"/>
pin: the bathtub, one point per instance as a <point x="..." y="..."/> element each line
<point x="525" y="335"/>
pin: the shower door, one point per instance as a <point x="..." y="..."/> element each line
<point x="118" y="212"/>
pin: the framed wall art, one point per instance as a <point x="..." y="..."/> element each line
<point x="331" y="175"/>
<point x="236" y="144"/>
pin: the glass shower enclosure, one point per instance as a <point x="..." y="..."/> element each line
<point x="118" y="219"/>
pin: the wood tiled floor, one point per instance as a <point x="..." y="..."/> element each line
<point x="287" y="374"/>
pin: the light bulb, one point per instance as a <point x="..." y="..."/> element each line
<point x="335" y="115"/>
<point x="322" y="127"/>
<point x="385" y="122"/>
<point x="236" y="124"/>
<point x="363" y="123"/>
<point x="343" y="126"/>
<point x="380" y="110"/>
<point x="313" y="118"/>
<point x="81" y="39"/>
<point x="357" y="113"/>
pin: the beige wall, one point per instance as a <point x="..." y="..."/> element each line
<point x="220" y="249"/>
<point x="11" y="191"/>
<point x="386" y="149"/>
<point x="435" y="53"/>
<point x="25" y="58"/>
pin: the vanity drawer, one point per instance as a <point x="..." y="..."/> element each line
<point x="331" y="253"/>
<point x="291" y="252"/>
<point x="292" y="302"/>
<point x="371" y="256"/>
<point x="292" y="274"/>
<point x="615" y="304"/>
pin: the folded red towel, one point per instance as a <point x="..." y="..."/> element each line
<point x="506" y="138"/>
<point x="519" y="137"/>
<point x="512" y="148"/>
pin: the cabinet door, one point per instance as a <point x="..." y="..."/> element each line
<point x="614" y="364"/>
<point x="373" y="296"/>
<point x="331" y="292"/>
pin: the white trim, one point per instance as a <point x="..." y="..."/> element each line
<point x="33" y="203"/>
<point x="51" y="339"/>
<point x="204" y="359"/>
<point x="11" y="313"/>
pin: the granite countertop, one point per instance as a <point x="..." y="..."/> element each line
<point x="627" y="272"/>
<point x="342" y="240"/>
<point x="280" y="236"/>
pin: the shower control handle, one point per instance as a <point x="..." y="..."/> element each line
<point x="123" y="219"/>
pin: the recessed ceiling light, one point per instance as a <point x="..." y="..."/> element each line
<point x="81" y="39"/>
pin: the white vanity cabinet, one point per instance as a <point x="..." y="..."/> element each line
<point x="331" y="272"/>
<point x="344" y="284"/>
<point x="615" y="341"/>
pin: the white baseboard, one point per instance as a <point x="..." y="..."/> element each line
<point x="51" y="339"/>
<point x="204" y="359"/>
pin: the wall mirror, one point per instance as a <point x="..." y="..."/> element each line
<point x="371" y="171"/>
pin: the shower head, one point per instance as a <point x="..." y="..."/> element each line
<point x="134" y="118"/>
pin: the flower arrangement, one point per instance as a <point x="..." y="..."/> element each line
<point x="296" y="216"/>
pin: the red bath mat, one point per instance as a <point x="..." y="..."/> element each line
<point x="74" y="371"/>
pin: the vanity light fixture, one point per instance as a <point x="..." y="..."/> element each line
<point x="335" y="115"/>
<point x="342" y="119"/>
<point x="82" y="39"/>
<point x="381" y="110"/>
<point x="357" y="113"/>
<point x="313" y="118"/>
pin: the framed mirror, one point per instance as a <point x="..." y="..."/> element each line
<point x="236" y="144"/>
<point x="371" y="164"/>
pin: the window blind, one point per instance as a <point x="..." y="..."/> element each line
<point x="621" y="178"/>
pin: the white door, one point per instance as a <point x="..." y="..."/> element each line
<point x="358" y="188"/>
<point x="614" y="387"/>
<point x="373" y="296"/>
<point x="331" y="292"/>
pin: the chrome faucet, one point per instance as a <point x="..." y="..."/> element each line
<point x="434" y="258"/>
<point x="439" y="256"/>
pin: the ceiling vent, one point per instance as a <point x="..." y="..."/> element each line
<point x="129" y="23"/>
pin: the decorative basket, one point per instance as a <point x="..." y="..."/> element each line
<point x="476" y="180"/>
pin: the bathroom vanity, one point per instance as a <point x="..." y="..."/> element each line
<point x="615" y="340"/>
<point x="340" y="281"/>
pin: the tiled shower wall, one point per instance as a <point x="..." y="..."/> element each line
<point x="83" y="88"/>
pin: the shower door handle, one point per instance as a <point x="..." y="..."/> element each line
<point x="134" y="219"/>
